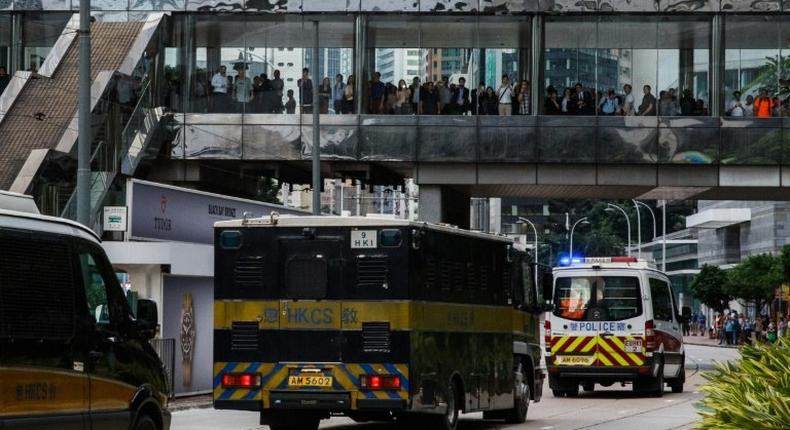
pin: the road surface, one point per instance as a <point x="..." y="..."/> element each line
<point x="610" y="408"/>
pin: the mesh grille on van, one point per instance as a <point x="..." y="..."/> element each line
<point x="372" y="271"/>
<point x="248" y="272"/>
<point x="36" y="288"/>
<point x="376" y="337"/>
<point x="244" y="336"/>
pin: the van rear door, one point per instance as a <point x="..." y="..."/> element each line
<point x="599" y="318"/>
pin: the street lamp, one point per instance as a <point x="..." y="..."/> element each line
<point x="653" y="215"/>
<point x="570" y="245"/>
<point x="611" y="208"/>
<point x="522" y="221"/>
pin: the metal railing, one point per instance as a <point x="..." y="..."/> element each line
<point x="166" y="350"/>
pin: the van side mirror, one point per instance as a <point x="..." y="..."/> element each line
<point x="147" y="318"/>
<point x="547" y="282"/>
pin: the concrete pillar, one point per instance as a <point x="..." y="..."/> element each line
<point x="536" y="65"/>
<point x="16" y="62"/>
<point x="361" y="58"/>
<point x="716" y="65"/>
<point x="443" y="204"/>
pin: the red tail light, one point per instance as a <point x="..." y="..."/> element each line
<point x="380" y="382"/>
<point x="547" y="336"/>
<point x="624" y="260"/>
<point x="650" y="336"/>
<point x="241" y="380"/>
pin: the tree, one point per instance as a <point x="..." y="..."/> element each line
<point x="755" y="279"/>
<point x="709" y="287"/>
<point x="785" y="262"/>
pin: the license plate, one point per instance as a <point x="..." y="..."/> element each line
<point x="634" y="345"/>
<point x="309" y="381"/>
<point x="574" y="360"/>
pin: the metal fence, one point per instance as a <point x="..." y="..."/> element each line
<point x="166" y="349"/>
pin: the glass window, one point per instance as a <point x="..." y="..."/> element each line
<point x="39" y="33"/>
<point x="661" y="300"/>
<point x="627" y="65"/>
<point x="752" y="64"/>
<point x="683" y="65"/>
<point x="527" y="283"/>
<point x="615" y="297"/>
<point x="95" y="290"/>
<point x="435" y="65"/>
<point x="5" y="44"/>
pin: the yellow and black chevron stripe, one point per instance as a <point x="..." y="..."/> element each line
<point x="274" y="377"/>
<point x="607" y="350"/>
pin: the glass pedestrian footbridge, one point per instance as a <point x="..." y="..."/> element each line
<point x="706" y="141"/>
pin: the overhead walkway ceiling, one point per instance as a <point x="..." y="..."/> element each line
<point x="44" y="108"/>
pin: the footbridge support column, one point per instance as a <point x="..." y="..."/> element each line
<point x="440" y="203"/>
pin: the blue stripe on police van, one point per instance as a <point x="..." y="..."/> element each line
<point x="251" y="395"/>
<point x="404" y="382"/>
<point x="265" y="379"/>
<point x="218" y="377"/>
<point x="226" y="394"/>
<point x="253" y="367"/>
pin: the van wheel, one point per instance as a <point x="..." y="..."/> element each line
<point x="653" y="386"/>
<point x="518" y="414"/>
<point x="558" y="393"/>
<point x="311" y="425"/>
<point x="588" y="388"/>
<point x="145" y="422"/>
<point x="677" y="385"/>
<point x="448" y="420"/>
<point x="573" y="392"/>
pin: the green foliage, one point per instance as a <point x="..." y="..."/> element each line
<point x="709" y="287"/>
<point x="755" y="279"/>
<point x="750" y="393"/>
<point x="785" y="262"/>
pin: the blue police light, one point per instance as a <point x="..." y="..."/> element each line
<point x="565" y="261"/>
<point x="577" y="260"/>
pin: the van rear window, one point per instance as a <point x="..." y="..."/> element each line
<point x="36" y="287"/>
<point x="597" y="298"/>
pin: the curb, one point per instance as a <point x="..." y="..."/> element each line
<point x="188" y="403"/>
<point x="712" y="345"/>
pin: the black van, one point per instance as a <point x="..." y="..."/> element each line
<point x="72" y="353"/>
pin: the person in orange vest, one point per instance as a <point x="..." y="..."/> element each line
<point x="763" y="105"/>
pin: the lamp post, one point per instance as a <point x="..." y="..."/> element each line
<point x="652" y="215"/>
<point x="522" y="220"/>
<point x="570" y="244"/>
<point x="613" y="207"/>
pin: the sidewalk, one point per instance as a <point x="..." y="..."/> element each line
<point x="705" y="341"/>
<point x="190" y="402"/>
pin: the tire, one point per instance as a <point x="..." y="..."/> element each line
<point x="312" y="425"/>
<point x="558" y="393"/>
<point x="448" y="420"/>
<point x="144" y="422"/>
<point x="588" y="388"/>
<point x="521" y="395"/>
<point x="677" y="385"/>
<point x="658" y="387"/>
<point x="573" y="392"/>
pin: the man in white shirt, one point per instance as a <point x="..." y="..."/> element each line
<point x="219" y="86"/>
<point x="629" y="102"/>
<point x="242" y="90"/>
<point x="736" y="107"/>
<point x="505" y="97"/>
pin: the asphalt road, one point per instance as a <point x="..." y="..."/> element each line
<point x="607" y="408"/>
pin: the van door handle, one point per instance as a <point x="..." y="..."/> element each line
<point x="607" y="334"/>
<point x="95" y="355"/>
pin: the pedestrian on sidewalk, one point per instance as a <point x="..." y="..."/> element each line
<point x="702" y="323"/>
<point x="771" y="333"/>
<point x="782" y="327"/>
<point x="747" y="331"/>
<point x="729" y="329"/>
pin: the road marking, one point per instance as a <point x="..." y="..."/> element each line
<point x="547" y="428"/>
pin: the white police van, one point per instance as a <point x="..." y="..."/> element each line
<point x="614" y="320"/>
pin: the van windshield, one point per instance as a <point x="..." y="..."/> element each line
<point x="597" y="298"/>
